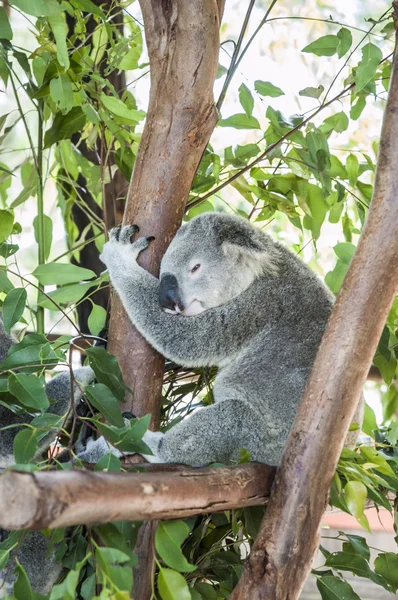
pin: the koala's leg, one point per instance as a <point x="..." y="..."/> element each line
<point x="58" y="389"/>
<point x="41" y="567"/>
<point x="213" y="434"/>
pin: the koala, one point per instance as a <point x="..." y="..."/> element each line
<point x="228" y="296"/>
<point x="33" y="552"/>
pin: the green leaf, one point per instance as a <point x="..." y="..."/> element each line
<point x="246" y="99"/>
<point x="346" y="561"/>
<point x="38" y="8"/>
<point x="107" y="371"/>
<point x="168" y="539"/>
<point x="5" y="283"/>
<point x="25" y="445"/>
<point x="357" y="108"/>
<point x="367" y="67"/>
<point x="88" y="7"/>
<point x="386" y="565"/>
<point x="22" y="587"/>
<point x="97" y="319"/>
<point x="334" y="588"/>
<point x="109" y="463"/>
<point x="47" y="232"/>
<point x="172" y="586"/>
<point x="369" y="421"/>
<point x="5" y="27"/>
<point x="54" y="273"/>
<point x="6" y="224"/>
<point x="119" y="109"/>
<point x="352" y="167"/>
<point x="266" y="88"/>
<point x="64" y="125"/>
<point x="334" y="279"/>
<point x="345" y="41"/>
<point x="240" y="121"/>
<point x="359" y="545"/>
<point x="60" y="31"/>
<point x="345" y="251"/>
<point x="337" y="122"/>
<point x="324" y="46"/>
<point x="373" y="456"/>
<point x="34" y="349"/>
<point x="355" y="496"/>
<point x="30" y="390"/>
<point x="318" y="208"/>
<point x="312" y="92"/>
<point x="13" y="307"/>
<point x="112" y="555"/>
<point x="103" y="400"/>
<point x="61" y="92"/>
<point x="26" y="193"/>
<point x="68" y="294"/>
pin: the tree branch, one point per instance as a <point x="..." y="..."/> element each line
<point x="49" y="499"/>
<point x="281" y="557"/>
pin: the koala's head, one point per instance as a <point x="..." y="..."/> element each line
<point x="212" y="259"/>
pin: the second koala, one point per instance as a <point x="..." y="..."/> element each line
<point x="228" y="296"/>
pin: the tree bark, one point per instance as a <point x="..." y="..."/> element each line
<point x="183" y="44"/>
<point x="49" y="499"/>
<point x="281" y="557"/>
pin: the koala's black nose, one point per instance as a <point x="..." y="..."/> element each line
<point x="169" y="295"/>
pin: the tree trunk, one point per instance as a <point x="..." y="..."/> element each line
<point x="281" y="557"/>
<point x="183" y="44"/>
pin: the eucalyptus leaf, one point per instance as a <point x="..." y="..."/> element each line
<point x="168" y="539"/>
<point x="246" y="99"/>
<point x="6" y="224"/>
<point x="54" y="273"/>
<point x="266" y="88"/>
<point x="25" y="445"/>
<point x="103" y="400"/>
<point x="333" y="588"/>
<point x="30" y="390"/>
<point x="13" y="307"/>
<point x="367" y="67"/>
<point x="240" y="121"/>
<point x="324" y="46"/>
<point x="5" y="27"/>
<point x="172" y="585"/>
<point x="60" y="30"/>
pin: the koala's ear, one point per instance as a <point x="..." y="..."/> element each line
<point x="249" y="247"/>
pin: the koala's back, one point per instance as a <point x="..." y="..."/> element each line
<point x="271" y="370"/>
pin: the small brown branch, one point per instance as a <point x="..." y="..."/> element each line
<point x="281" y="557"/>
<point x="50" y="499"/>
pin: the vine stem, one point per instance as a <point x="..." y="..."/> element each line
<point x="40" y="215"/>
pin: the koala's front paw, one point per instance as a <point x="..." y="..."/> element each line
<point x="120" y="245"/>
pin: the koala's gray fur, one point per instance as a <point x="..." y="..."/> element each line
<point x="251" y="308"/>
<point x="42" y="570"/>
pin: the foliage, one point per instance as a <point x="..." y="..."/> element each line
<point x="296" y="171"/>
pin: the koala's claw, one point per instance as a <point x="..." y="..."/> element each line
<point x="114" y="234"/>
<point x="127" y="232"/>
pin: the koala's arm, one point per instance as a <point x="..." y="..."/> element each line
<point x="200" y="340"/>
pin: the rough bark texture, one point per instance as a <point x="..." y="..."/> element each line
<point x="183" y="44"/>
<point x="282" y="555"/>
<point x="52" y="499"/>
